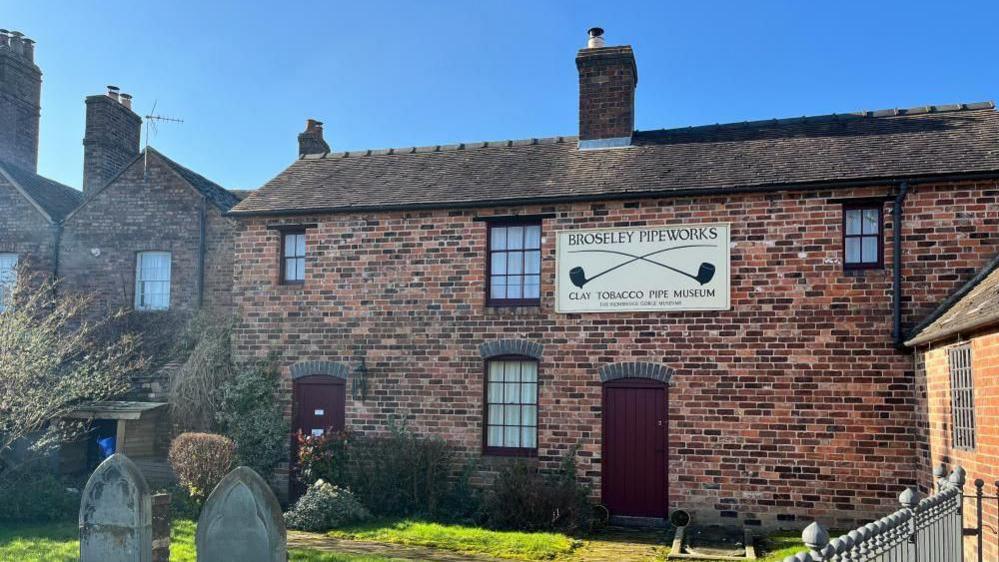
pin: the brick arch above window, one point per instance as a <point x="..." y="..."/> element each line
<point x="499" y="348"/>
<point x="328" y="368"/>
<point x="636" y="370"/>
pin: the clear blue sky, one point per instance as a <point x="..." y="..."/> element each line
<point x="244" y="75"/>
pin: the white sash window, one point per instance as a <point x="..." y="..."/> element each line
<point x="8" y="276"/>
<point x="152" y="281"/>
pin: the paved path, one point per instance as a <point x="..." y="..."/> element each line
<point x="618" y="544"/>
<point x="614" y="544"/>
<point x="298" y="539"/>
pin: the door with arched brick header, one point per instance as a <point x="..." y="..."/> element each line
<point x="635" y="448"/>
<point x="320" y="404"/>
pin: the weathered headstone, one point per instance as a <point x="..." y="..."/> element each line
<point x="242" y="521"/>
<point x="116" y="514"/>
<point x="161" y="528"/>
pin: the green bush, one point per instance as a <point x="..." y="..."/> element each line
<point x="253" y="417"/>
<point x="182" y="505"/>
<point x="324" y="507"/>
<point x="200" y="461"/>
<point x="37" y="496"/>
<point x="524" y="499"/>
<point x="400" y="474"/>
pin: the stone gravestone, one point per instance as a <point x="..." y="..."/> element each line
<point x="161" y="527"/>
<point x="116" y="514"/>
<point x="241" y="521"/>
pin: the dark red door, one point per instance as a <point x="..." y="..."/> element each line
<point x="635" y="448"/>
<point x="319" y="407"/>
<point x="320" y="403"/>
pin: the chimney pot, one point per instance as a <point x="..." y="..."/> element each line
<point x="126" y="100"/>
<point x="596" y="38"/>
<point x="16" y="44"/>
<point x="4" y="38"/>
<point x="28" y="46"/>
<point x="113" y="92"/>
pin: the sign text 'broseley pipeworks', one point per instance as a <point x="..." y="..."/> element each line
<point x="668" y="268"/>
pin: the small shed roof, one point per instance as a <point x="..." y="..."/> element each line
<point x="115" y="410"/>
<point x="973" y="307"/>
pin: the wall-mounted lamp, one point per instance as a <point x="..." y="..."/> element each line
<point x="359" y="382"/>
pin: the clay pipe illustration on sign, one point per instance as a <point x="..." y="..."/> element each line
<point x="705" y="272"/>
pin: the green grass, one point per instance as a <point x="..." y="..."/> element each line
<point x="458" y="538"/>
<point x="54" y="542"/>
<point x="57" y="542"/>
<point x="779" y="546"/>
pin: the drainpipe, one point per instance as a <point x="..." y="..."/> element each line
<point x="57" y="240"/>
<point x="202" y="236"/>
<point x="897" y="266"/>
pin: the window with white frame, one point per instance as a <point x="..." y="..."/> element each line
<point x="511" y="406"/>
<point x="8" y="276"/>
<point x="152" y="281"/>
<point x="293" y="257"/>
<point x="962" y="396"/>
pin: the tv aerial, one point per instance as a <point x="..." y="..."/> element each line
<point x="153" y="119"/>
<point x="152" y="126"/>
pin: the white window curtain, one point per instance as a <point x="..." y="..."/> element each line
<point x="8" y="276"/>
<point x="152" y="281"/>
<point x="512" y="404"/>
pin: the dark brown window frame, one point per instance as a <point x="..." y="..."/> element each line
<point x="864" y="205"/>
<point x="510" y="451"/>
<point x="506" y="222"/>
<point x="284" y="233"/>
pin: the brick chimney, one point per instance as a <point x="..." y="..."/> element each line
<point x="111" y="139"/>
<point x="310" y="141"/>
<point x="20" y="100"/>
<point x="607" y="80"/>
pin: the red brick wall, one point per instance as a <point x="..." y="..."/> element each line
<point x="792" y="405"/>
<point x="24" y="231"/>
<point x="147" y="208"/>
<point x="607" y="80"/>
<point x="983" y="462"/>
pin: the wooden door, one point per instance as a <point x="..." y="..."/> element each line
<point x="320" y="404"/>
<point x="635" y="448"/>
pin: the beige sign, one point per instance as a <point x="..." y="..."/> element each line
<point x="667" y="268"/>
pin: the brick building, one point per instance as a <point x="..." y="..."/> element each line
<point x="957" y="360"/>
<point x="31" y="206"/>
<point x="139" y="214"/>
<point x="145" y="234"/>
<point x="152" y="238"/>
<point x="521" y="297"/>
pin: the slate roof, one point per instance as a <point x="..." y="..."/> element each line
<point x="909" y="143"/>
<point x="55" y="199"/>
<point x="216" y="194"/>
<point x="975" y="305"/>
<point x="240" y="193"/>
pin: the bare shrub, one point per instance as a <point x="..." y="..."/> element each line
<point x="200" y="461"/>
<point x="55" y="356"/>
<point x="196" y="389"/>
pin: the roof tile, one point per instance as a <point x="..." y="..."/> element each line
<point x="863" y="146"/>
